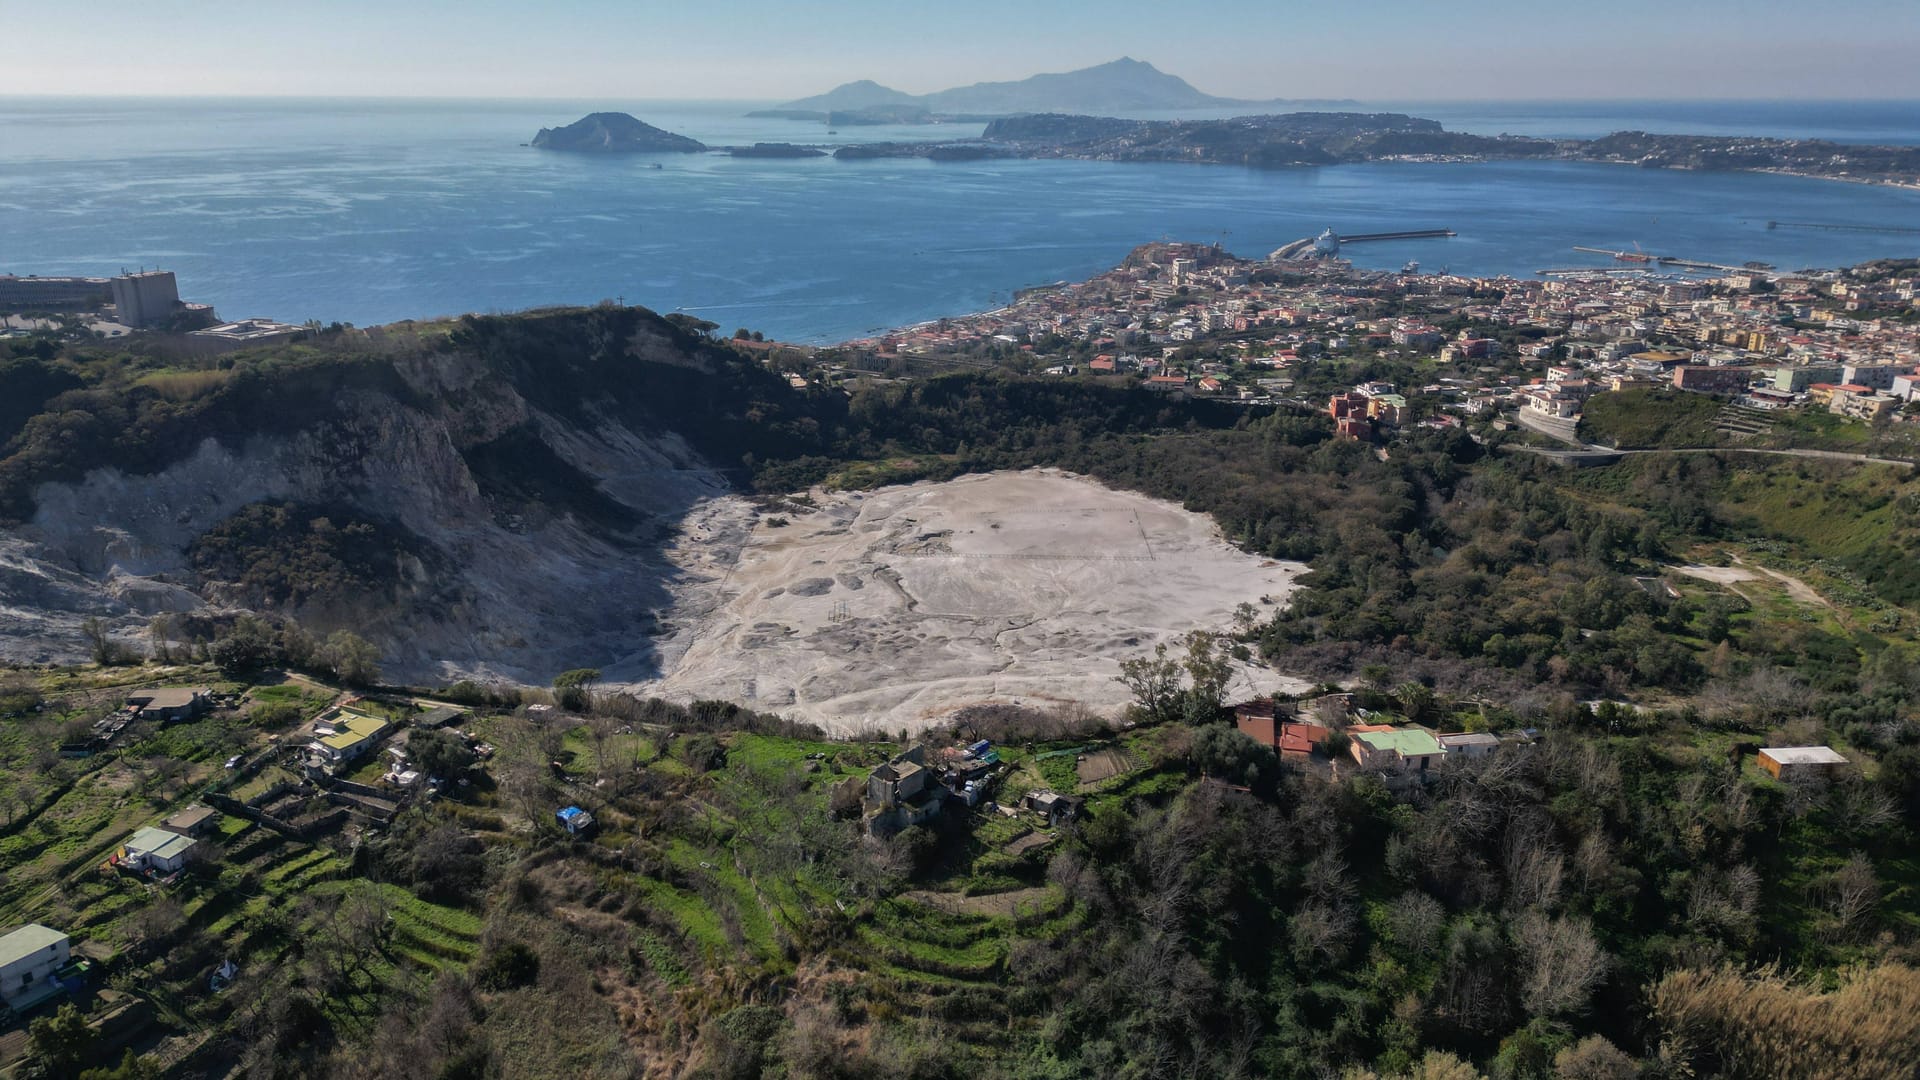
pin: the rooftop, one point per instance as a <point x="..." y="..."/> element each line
<point x="1804" y="755"/>
<point x="1407" y="742"/>
<point x="190" y="818"/>
<point x="158" y="843"/>
<point x="351" y="729"/>
<point x="28" y="940"/>
<point x="169" y="697"/>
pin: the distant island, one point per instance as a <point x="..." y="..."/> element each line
<point x="1281" y="140"/>
<point x="615" y="133"/>
<point x="1120" y="86"/>
<point x="775" y="150"/>
<point x="1337" y="138"/>
<point x="1287" y="139"/>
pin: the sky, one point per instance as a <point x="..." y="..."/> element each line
<point x="1382" y="50"/>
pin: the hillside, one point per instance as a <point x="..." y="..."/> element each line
<point x="521" y="478"/>
<point x="500" y="497"/>
<point x="1611" y="890"/>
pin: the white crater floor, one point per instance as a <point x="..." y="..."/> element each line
<point x="889" y="610"/>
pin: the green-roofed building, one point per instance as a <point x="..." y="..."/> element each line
<point x="1407" y="749"/>
<point x="352" y="735"/>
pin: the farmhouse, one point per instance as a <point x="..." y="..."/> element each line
<point x="170" y="704"/>
<point x="1401" y="749"/>
<point x="30" y="957"/>
<point x="156" y="851"/>
<point x="1056" y="808"/>
<point x="901" y="793"/>
<point x="193" y="821"/>
<point x="1261" y="722"/>
<point x="347" y="737"/>
<point x="1786" y="762"/>
<point x="1470" y="744"/>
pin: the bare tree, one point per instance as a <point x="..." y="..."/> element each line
<point x="1853" y="891"/>
<point x="1534" y="867"/>
<point x="1562" y="964"/>
<point x="1417" y="923"/>
<point x="160" y="632"/>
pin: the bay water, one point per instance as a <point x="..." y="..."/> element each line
<point x="370" y="211"/>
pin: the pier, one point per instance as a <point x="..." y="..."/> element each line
<point x="1410" y="234"/>
<point x="1308" y="246"/>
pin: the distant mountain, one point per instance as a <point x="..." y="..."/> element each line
<point x="1121" y="86"/>
<point x="853" y="96"/>
<point x="614" y="133"/>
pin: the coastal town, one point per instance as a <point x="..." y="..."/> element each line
<point x="1193" y="319"/>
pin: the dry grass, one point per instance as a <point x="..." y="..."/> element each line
<point x="1766" y="1024"/>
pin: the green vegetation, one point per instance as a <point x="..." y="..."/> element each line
<point x="1663" y="419"/>
<point x="1641" y="419"/>
<point x="284" y="556"/>
<point x="1617" y="897"/>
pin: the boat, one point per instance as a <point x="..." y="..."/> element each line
<point x="1756" y="264"/>
<point x="1412" y="267"/>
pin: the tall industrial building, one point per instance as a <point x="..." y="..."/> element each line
<point x="145" y="299"/>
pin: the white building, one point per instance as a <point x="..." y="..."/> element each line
<point x="28" y="958"/>
<point x="156" y="850"/>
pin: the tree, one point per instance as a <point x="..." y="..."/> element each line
<point x="574" y="689"/>
<point x="448" y="865"/>
<point x="1594" y="1058"/>
<point x="1209" y="668"/>
<point x="1154" y="682"/>
<point x="105" y="651"/>
<point x="1232" y="755"/>
<point x="160" y="632"/>
<point x="1562" y="964"/>
<point x="1853" y="891"/>
<point x="440" y="754"/>
<point x="1416" y="700"/>
<point x="507" y="966"/>
<point x="59" y="1043"/>
<point x="352" y="659"/>
<point x="601" y="728"/>
<point x="247" y="646"/>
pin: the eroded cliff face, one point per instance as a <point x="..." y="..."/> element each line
<point x="517" y="586"/>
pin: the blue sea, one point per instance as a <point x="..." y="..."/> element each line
<point x="370" y="211"/>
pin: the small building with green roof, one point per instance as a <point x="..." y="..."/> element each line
<point x="352" y="734"/>
<point x="1406" y="749"/>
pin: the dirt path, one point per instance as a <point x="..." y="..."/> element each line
<point x="1731" y="576"/>
<point x="1006" y="904"/>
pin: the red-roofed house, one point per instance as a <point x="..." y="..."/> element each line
<point x="1260" y="721"/>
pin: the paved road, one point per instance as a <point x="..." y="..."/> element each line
<point x="1595" y="453"/>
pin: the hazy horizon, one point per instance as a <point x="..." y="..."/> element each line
<point x="756" y="50"/>
<point x="764" y="101"/>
